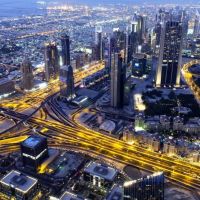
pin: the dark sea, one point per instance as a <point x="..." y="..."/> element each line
<point x="12" y="8"/>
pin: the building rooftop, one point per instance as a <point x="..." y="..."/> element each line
<point x="19" y="181"/>
<point x="4" y="80"/>
<point x="116" y="193"/>
<point x="139" y="56"/>
<point x="108" y="126"/>
<point x="70" y="196"/>
<point x="101" y="170"/>
<point x="32" y="141"/>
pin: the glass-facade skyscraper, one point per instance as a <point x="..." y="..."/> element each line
<point x="170" y="58"/>
<point x="51" y="61"/>
<point x="148" y="188"/>
<point x="65" y="43"/>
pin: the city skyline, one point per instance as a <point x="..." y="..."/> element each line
<point x="100" y="102"/>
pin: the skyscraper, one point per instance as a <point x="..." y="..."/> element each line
<point x="65" y="43"/>
<point x="27" y="75"/>
<point x="169" y="66"/>
<point x="67" y="82"/>
<point x="99" y="43"/>
<point x="51" y="61"/>
<point x="148" y="188"/>
<point x="139" y="27"/>
<point x="118" y="44"/>
<point x="118" y="76"/>
<point x="196" y="26"/>
<point x="132" y="45"/>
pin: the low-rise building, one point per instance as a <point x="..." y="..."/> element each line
<point x="152" y="123"/>
<point x="165" y="122"/>
<point x="196" y="157"/>
<point x="178" y="123"/>
<point x="19" y="186"/>
<point x="170" y="148"/>
<point x="192" y="126"/>
<point x="99" y="175"/>
<point x="6" y="86"/>
<point x="108" y="126"/>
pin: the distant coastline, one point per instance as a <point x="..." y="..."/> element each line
<point x="15" y="8"/>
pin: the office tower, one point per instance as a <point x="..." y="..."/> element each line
<point x="99" y="50"/>
<point x="67" y="82"/>
<point x="161" y="17"/>
<point x="51" y="61"/>
<point x="169" y="66"/>
<point x="27" y="75"/>
<point x="65" y="43"/>
<point x="34" y="151"/>
<point x="157" y="31"/>
<point x="16" y="185"/>
<point x="148" y="188"/>
<point x="139" y="27"/>
<point x="132" y="45"/>
<point x="126" y="50"/>
<point x="118" y="44"/>
<point x="196" y="26"/>
<point x="111" y="51"/>
<point x="118" y="77"/>
<point x="136" y="36"/>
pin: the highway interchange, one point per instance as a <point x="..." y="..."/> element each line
<point x="61" y="135"/>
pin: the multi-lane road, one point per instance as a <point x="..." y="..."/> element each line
<point x="60" y="135"/>
<point x="189" y="77"/>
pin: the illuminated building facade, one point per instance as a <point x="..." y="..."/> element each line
<point x="139" y="26"/>
<point x="118" y="43"/>
<point x="67" y="82"/>
<point x="139" y="64"/>
<point x="99" y="50"/>
<point x="51" y="61"/>
<point x="99" y="175"/>
<point x="196" y="26"/>
<point x="16" y="185"/>
<point x="170" y="58"/>
<point x="27" y="75"/>
<point x="132" y="45"/>
<point x="34" y="151"/>
<point x="149" y="188"/>
<point x="118" y="77"/>
<point x="65" y="43"/>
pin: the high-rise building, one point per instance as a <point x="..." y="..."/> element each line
<point x="67" y="82"/>
<point x="34" y="151"/>
<point x="139" y="26"/>
<point x="161" y="17"/>
<point x="196" y="26"/>
<point x="118" y="43"/>
<point x="65" y="43"/>
<point x="148" y="188"/>
<point x="51" y="61"/>
<point x="27" y="75"/>
<point x="132" y="45"/>
<point x="169" y="66"/>
<point x="99" y="50"/>
<point x="118" y="77"/>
